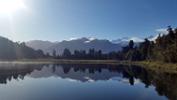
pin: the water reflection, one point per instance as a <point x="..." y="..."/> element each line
<point x="165" y="84"/>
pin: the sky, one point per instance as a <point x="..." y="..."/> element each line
<point x="57" y="20"/>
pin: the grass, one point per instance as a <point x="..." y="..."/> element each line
<point x="158" y="66"/>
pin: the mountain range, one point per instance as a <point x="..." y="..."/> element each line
<point x="82" y="44"/>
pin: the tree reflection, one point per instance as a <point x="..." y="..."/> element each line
<point x="7" y="73"/>
<point x="66" y="69"/>
<point x="165" y="83"/>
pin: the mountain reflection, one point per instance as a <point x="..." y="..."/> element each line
<point x="165" y="83"/>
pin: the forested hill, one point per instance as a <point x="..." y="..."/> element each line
<point x="164" y="49"/>
<point x="10" y="50"/>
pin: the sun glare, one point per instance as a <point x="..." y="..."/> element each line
<point x="10" y="6"/>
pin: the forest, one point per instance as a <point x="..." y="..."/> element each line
<point x="163" y="49"/>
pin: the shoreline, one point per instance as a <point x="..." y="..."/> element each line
<point x="157" y="66"/>
<point x="62" y="61"/>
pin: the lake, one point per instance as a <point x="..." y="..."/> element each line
<point x="84" y="82"/>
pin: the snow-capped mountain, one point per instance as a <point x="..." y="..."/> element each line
<point x="84" y="44"/>
<point x="127" y="39"/>
<point x="75" y="44"/>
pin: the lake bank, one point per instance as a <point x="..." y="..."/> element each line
<point x="157" y="66"/>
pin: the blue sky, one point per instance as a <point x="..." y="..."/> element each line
<point x="56" y="20"/>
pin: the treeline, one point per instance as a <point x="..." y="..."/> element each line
<point x="79" y="54"/>
<point x="164" y="48"/>
<point x="10" y="50"/>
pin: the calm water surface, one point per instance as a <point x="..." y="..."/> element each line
<point x="84" y="82"/>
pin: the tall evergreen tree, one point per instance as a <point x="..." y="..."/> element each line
<point x="66" y="53"/>
<point x="54" y="54"/>
<point x="131" y="44"/>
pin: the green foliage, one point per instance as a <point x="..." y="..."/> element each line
<point x="164" y="49"/>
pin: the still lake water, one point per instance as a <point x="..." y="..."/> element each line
<point x="84" y="82"/>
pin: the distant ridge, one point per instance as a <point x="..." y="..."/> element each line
<point x="82" y="44"/>
<point x="75" y="44"/>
